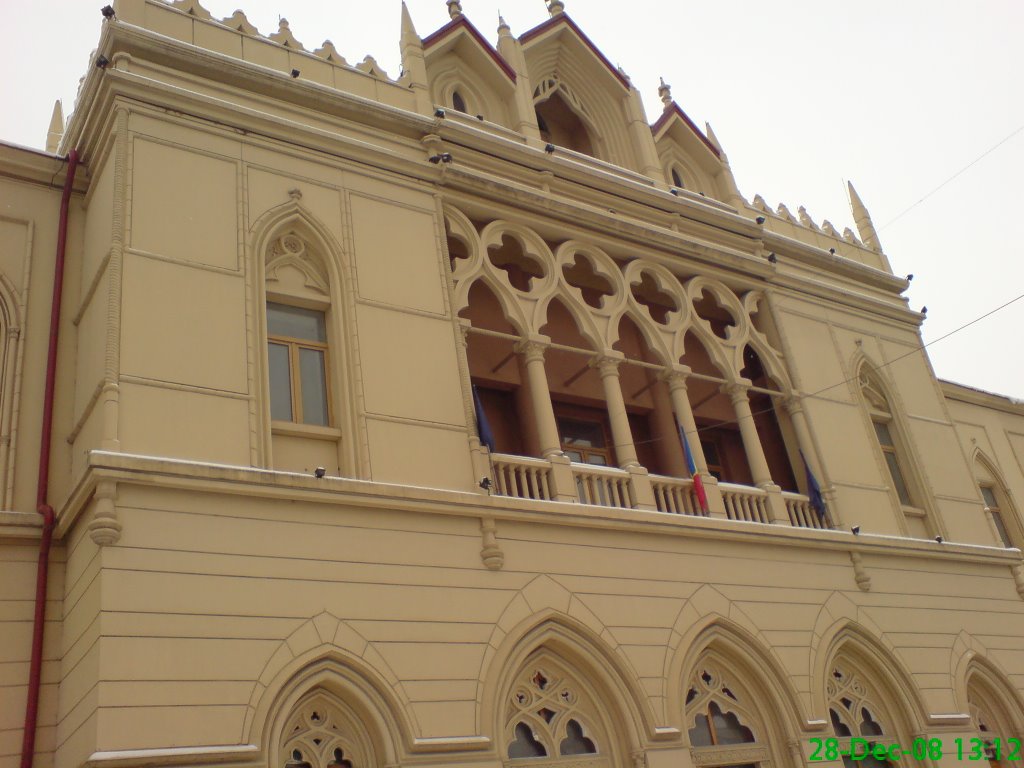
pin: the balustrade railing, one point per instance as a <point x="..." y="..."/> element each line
<point x="521" y="477"/>
<point x="603" y="486"/>
<point x="745" y="503"/>
<point x="802" y="514"/>
<point x="675" y="496"/>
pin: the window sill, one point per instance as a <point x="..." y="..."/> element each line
<point x="292" y="429"/>
<point x="913" y="511"/>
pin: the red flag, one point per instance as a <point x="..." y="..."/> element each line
<point x="698" y="484"/>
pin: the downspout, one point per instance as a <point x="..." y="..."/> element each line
<point x="43" y="507"/>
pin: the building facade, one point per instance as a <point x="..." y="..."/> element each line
<point x="375" y="401"/>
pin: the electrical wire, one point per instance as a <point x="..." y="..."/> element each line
<point x="987" y="152"/>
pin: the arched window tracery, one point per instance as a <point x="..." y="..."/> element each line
<point x="323" y="732"/>
<point x="855" y="712"/>
<point x="551" y="714"/>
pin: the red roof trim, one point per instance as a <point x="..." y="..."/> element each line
<point x="463" y="22"/>
<point x="676" y="111"/>
<point x="563" y="18"/>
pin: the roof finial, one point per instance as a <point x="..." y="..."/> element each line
<point x="862" y="219"/>
<point x="665" y="93"/>
<point x="56" y="131"/>
<point x="556" y="7"/>
<point x="454" y="8"/>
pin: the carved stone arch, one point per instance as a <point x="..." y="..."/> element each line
<point x="11" y="361"/>
<point x="710" y="614"/>
<point x="982" y="687"/>
<point x="373" y="722"/>
<point x="603" y="266"/>
<point x="694" y="179"/>
<point x="717" y="352"/>
<point x="758" y="684"/>
<point x="319" y="257"/>
<point x="586" y="323"/>
<point x="610" y="678"/>
<point x="480" y="97"/>
<point x="664" y="281"/>
<point x="553" y="85"/>
<point x="533" y="247"/>
<point x="894" y="688"/>
<point x="460" y="228"/>
<point x="657" y="339"/>
<point x="737" y="334"/>
<point x="511" y="308"/>
<point x="771" y="359"/>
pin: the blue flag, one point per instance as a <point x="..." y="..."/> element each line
<point x="483" y="427"/>
<point x="814" y="490"/>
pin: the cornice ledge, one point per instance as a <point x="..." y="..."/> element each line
<point x="967" y="394"/>
<point x="36" y="167"/>
<point x="815" y="256"/>
<point x="225" y="478"/>
<point x="20" y="526"/>
<point x="220" y="755"/>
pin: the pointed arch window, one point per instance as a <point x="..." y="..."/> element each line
<point x="552" y="715"/>
<point x="991" y="718"/>
<point x="723" y="724"/>
<point x="323" y="732"/>
<point x="889" y="440"/>
<point x="998" y="506"/>
<point x="855" y="713"/>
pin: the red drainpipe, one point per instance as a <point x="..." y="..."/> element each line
<point x="43" y="507"/>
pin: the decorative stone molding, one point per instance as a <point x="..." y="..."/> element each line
<point x="105" y="528"/>
<point x="860" y="573"/>
<point x="491" y="553"/>
<point x="1018" y="578"/>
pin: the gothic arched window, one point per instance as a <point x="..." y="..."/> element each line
<point x="552" y="714"/>
<point x="323" y="732"/>
<point x="722" y="721"/>
<point x="855" y="714"/>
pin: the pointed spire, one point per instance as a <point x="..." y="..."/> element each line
<point x="503" y="28"/>
<point x="556" y="7"/>
<point x="408" y="29"/>
<point x="454" y="8"/>
<point x="714" y="140"/>
<point x="665" y="93"/>
<point x="56" y="130"/>
<point x="862" y="219"/>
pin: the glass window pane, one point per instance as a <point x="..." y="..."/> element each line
<point x="710" y="449"/>
<point x="884" y="436"/>
<point x="728" y="728"/>
<point x="313" y="375"/>
<point x="585" y="434"/>
<point x="280" y="383"/>
<point x="997" y="518"/>
<point x="574" y="456"/>
<point x="597" y="459"/>
<point x="989" y="497"/>
<point x="295" y="322"/>
<point x="700" y="734"/>
<point x="897" y="479"/>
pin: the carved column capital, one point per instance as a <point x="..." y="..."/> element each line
<point x="533" y="349"/>
<point x="736" y="391"/>
<point x="676" y="377"/>
<point x="607" y="364"/>
<point x="105" y="528"/>
<point x="793" y="403"/>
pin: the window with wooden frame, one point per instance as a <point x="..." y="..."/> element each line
<point x="886" y="434"/>
<point x="722" y="721"/>
<point x="988" y="493"/>
<point x="585" y="435"/>
<point x="297" y="355"/>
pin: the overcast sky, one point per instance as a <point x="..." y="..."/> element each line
<point x="897" y="96"/>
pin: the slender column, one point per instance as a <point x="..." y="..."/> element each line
<point x="676" y="379"/>
<point x="478" y="452"/>
<point x="625" y="451"/>
<point x="737" y="392"/>
<point x="532" y="351"/>
<point x="798" y="418"/>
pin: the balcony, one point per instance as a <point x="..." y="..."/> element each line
<point x="521" y="477"/>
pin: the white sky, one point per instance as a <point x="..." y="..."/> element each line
<point x="895" y="95"/>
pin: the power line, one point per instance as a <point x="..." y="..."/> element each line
<point x="987" y="152"/>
